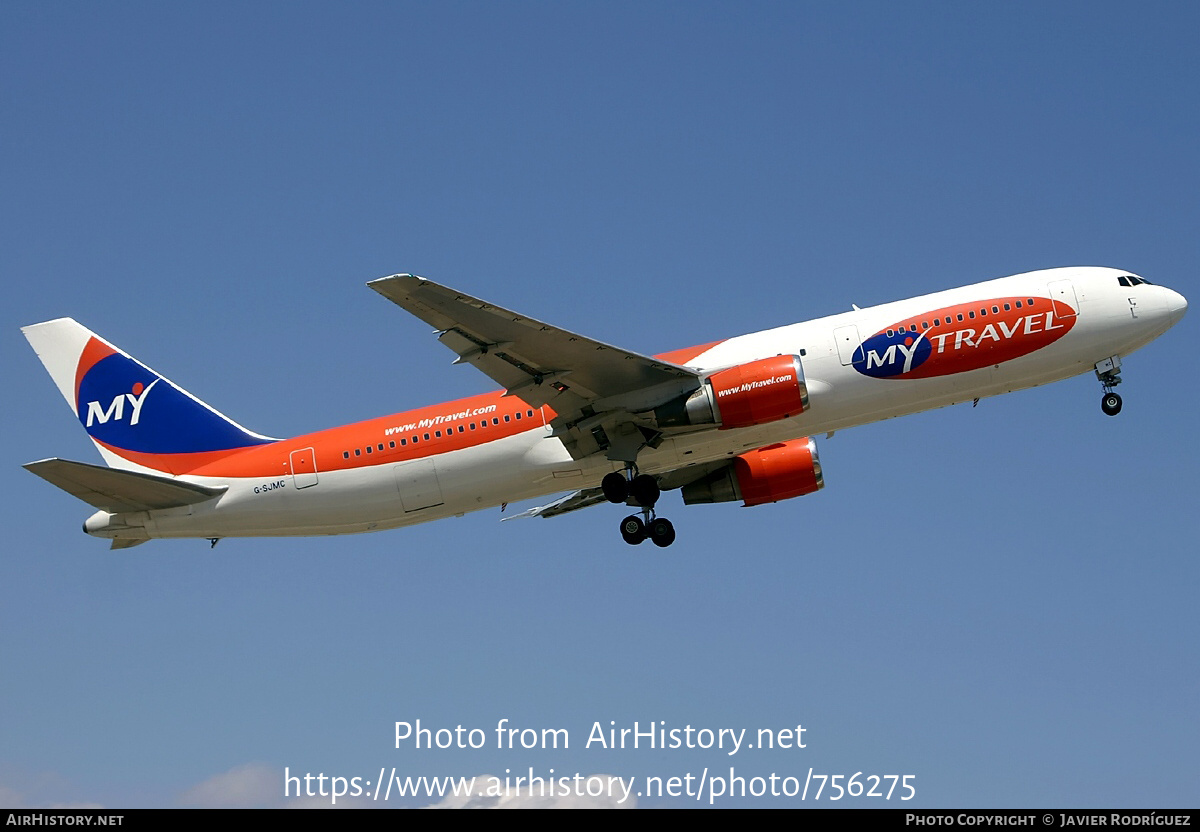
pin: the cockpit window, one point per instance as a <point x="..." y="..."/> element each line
<point x="1130" y="280"/>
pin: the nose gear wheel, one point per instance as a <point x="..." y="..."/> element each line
<point x="1109" y="373"/>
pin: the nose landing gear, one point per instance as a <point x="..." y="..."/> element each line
<point x="1109" y="373"/>
<point x="641" y="490"/>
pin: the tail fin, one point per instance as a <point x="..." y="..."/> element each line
<point x="137" y="418"/>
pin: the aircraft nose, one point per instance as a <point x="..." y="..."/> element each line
<point x="1176" y="306"/>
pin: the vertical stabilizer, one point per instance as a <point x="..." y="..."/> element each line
<point x="137" y="418"/>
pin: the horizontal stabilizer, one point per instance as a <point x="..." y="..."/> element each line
<point x="126" y="542"/>
<point x="114" y="490"/>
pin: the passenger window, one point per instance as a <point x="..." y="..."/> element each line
<point x="345" y="454"/>
<point x="971" y="314"/>
<point x="358" y="451"/>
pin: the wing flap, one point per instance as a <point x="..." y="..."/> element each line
<point x="115" y="490"/>
<point x="576" y="500"/>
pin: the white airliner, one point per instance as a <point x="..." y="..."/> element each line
<point x="731" y="420"/>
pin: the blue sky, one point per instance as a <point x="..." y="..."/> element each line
<point x="998" y="600"/>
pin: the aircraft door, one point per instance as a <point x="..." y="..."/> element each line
<point x="848" y="342"/>
<point x="418" y="484"/>
<point x="304" y="468"/>
<point x="1064" y="290"/>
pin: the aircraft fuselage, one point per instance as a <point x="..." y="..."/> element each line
<point x="859" y="367"/>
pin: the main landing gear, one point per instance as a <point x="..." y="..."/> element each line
<point x="1109" y="373"/>
<point x="640" y="490"/>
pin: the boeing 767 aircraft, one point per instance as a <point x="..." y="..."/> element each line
<point x="731" y="420"/>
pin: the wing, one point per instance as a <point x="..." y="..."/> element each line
<point x="587" y="383"/>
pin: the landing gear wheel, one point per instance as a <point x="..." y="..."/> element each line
<point x="633" y="530"/>
<point x="1110" y="404"/>
<point x="615" y="487"/>
<point x="644" y="489"/>
<point x="661" y="532"/>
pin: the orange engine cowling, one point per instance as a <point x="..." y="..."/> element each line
<point x="767" y="475"/>
<point x="754" y="393"/>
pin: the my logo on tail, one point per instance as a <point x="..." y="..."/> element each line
<point x="116" y="410"/>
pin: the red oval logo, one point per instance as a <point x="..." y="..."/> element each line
<point x="964" y="337"/>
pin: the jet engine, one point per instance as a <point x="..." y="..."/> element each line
<point x="742" y="396"/>
<point x="767" y="475"/>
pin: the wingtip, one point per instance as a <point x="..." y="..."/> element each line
<point x="394" y="278"/>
